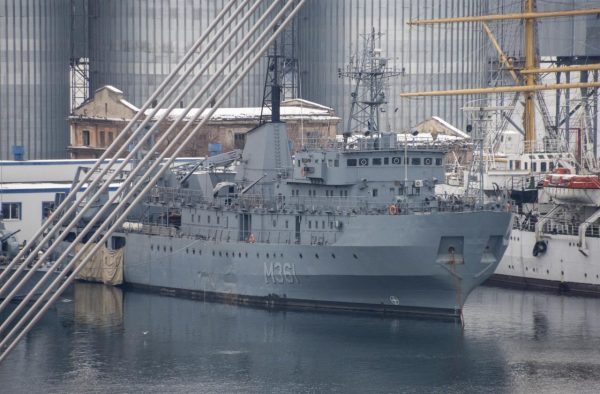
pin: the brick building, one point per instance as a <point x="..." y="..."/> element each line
<point x="96" y="123"/>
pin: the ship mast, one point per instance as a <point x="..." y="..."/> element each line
<point x="369" y="72"/>
<point x="531" y="64"/>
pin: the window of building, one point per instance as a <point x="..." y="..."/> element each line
<point x="47" y="209"/>
<point x="543" y="166"/>
<point x="415" y="161"/>
<point x="351" y="162"/>
<point x="525" y="165"/>
<point x="102" y="139"/>
<point x="110" y="137"/>
<point x="85" y="137"/>
<point x="239" y="140"/>
<point x="11" y="210"/>
<point x="534" y="166"/>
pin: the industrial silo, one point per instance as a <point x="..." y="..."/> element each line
<point x="34" y="78"/>
<point x="430" y="57"/>
<point x="134" y="44"/>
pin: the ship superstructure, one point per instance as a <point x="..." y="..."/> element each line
<point x="334" y="228"/>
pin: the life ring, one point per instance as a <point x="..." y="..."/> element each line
<point x="392" y="209"/>
<point x="251" y="238"/>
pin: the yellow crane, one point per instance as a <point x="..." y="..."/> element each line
<point x="530" y="69"/>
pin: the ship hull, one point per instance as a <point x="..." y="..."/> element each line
<point x="386" y="264"/>
<point x="561" y="268"/>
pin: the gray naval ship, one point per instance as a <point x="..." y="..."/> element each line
<point x="352" y="226"/>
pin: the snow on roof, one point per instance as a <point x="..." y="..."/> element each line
<point x="452" y="128"/>
<point x="111" y="88"/>
<point x="252" y="113"/>
<point x="129" y="105"/>
<point x="290" y="102"/>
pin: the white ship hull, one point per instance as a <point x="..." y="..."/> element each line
<point x="562" y="267"/>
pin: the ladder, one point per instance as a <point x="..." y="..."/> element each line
<point x="241" y="23"/>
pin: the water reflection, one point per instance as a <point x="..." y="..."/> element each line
<point x="109" y="340"/>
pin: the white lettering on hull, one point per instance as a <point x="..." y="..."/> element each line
<point x="280" y="273"/>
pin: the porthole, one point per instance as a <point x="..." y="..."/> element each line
<point x="240" y="255"/>
<point x="585" y="275"/>
<point x="151" y="247"/>
<point x="300" y="255"/>
<point x="258" y="255"/>
<point x="333" y="255"/>
<point x="526" y="269"/>
<point x="547" y="271"/>
<point x="164" y="248"/>
<point x="246" y="254"/>
<point x="281" y="255"/>
<point x="220" y="254"/>
<point x="193" y="251"/>
<point x="187" y="251"/>
<point x="355" y="256"/>
<point x="267" y="255"/>
<point x="316" y="255"/>
<point x="562" y="272"/>
<point x="213" y="252"/>
<point x="226" y="254"/>
<point x="170" y="249"/>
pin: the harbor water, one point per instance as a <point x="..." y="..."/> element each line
<point x="101" y="339"/>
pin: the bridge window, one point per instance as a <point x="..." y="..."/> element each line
<point x="438" y="161"/>
<point x="377" y="161"/>
<point x="375" y="192"/>
<point x="336" y="163"/>
<point x="351" y="162"/>
<point x="415" y="161"/>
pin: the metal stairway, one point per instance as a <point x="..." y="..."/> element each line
<point x="241" y="23"/>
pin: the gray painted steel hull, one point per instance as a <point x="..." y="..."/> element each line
<point x="379" y="264"/>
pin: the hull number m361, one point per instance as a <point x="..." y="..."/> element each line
<point x="280" y="273"/>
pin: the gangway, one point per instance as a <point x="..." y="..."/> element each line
<point x="245" y="24"/>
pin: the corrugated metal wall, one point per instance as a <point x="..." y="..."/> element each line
<point x="561" y="36"/>
<point x="134" y="44"/>
<point x="34" y="77"/>
<point x="433" y="57"/>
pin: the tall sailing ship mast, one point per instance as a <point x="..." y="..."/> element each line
<point x="525" y="78"/>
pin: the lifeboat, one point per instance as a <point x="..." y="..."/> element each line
<point x="569" y="188"/>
